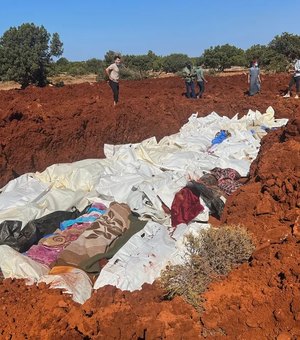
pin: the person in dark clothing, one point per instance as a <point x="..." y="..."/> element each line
<point x="200" y="81"/>
<point x="189" y="74"/>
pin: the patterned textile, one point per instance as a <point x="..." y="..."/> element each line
<point x="227" y="179"/>
<point x="50" y="247"/>
<point x="86" y="218"/>
<point x="220" y="173"/>
<point x="185" y="207"/>
<point x="98" y="236"/>
<point x="93" y="265"/>
<point x="228" y="185"/>
<point x="43" y="254"/>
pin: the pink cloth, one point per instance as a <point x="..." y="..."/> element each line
<point x="46" y="254"/>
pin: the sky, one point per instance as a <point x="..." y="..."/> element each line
<point x="90" y="28"/>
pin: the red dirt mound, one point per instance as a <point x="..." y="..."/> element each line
<point x="260" y="299"/>
<point x="42" y="126"/>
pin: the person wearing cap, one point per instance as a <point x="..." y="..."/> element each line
<point x="294" y="80"/>
<point x="254" y="80"/>
<point x="189" y="74"/>
<point x="112" y="72"/>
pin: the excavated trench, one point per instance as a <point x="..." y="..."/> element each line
<point x="260" y="299"/>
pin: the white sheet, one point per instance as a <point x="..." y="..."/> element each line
<point x="143" y="175"/>
<point x="143" y="257"/>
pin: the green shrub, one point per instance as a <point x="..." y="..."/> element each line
<point x="131" y="74"/>
<point x="59" y="84"/>
<point x="223" y="248"/>
<point x="209" y="254"/>
<point x="26" y="54"/>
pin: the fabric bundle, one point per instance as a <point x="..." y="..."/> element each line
<point x="98" y="236"/>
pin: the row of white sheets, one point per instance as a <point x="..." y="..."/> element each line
<point x="139" y="261"/>
<point x="143" y="175"/>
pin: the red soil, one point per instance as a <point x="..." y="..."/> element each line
<point x="259" y="300"/>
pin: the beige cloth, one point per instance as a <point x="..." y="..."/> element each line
<point x="97" y="238"/>
<point x="113" y="72"/>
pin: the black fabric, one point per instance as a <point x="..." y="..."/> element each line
<point x="115" y="88"/>
<point x="9" y="232"/>
<point x="49" y="223"/>
<point x="210" y="197"/>
<point x="21" y="240"/>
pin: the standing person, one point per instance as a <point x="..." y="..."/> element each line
<point x="189" y="74"/>
<point x="295" y="80"/>
<point x="254" y="79"/>
<point x="113" y="74"/>
<point x="200" y="80"/>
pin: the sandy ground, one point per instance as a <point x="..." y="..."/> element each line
<point x="259" y="300"/>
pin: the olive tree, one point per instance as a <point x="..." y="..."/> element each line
<point x="26" y="54"/>
<point x="221" y="57"/>
<point x="287" y="44"/>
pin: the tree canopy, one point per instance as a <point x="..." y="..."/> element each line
<point x="286" y="44"/>
<point x="26" y="53"/>
<point x="221" y="57"/>
<point x="26" y="57"/>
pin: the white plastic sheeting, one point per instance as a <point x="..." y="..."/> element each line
<point x="75" y="282"/>
<point x="152" y="170"/>
<point x="143" y="257"/>
<point x="20" y="191"/>
<point x="143" y="175"/>
<point x="15" y="265"/>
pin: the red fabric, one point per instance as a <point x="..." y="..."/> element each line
<point x="185" y="207"/>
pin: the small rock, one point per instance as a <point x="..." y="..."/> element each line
<point x="252" y="322"/>
<point x="296" y="228"/>
<point x="289" y="186"/>
<point x="284" y="336"/>
<point x="265" y="205"/>
<point x="62" y="304"/>
<point x="209" y="321"/>
<point x="278" y="314"/>
<point x="295" y="331"/>
<point x="276" y="235"/>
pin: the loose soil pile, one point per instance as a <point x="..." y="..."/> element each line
<point x="260" y="299"/>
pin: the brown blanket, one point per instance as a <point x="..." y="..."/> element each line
<point x="97" y="238"/>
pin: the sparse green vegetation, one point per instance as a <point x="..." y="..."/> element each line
<point x="210" y="254"/>
<point x="26" y="57"/>
<point x="26" y="54"/>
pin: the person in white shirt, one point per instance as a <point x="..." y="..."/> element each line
<point x="295" y="80"/>
<point x="113" y="74"/>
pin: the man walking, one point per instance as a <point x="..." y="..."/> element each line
<point x="294" y="80"/>
<point x="200" y="81"/>
<point x="113" y="74"/>
<point x="188" y="74"/>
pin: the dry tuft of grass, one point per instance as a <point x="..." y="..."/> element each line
<point x="210" y="254"/>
